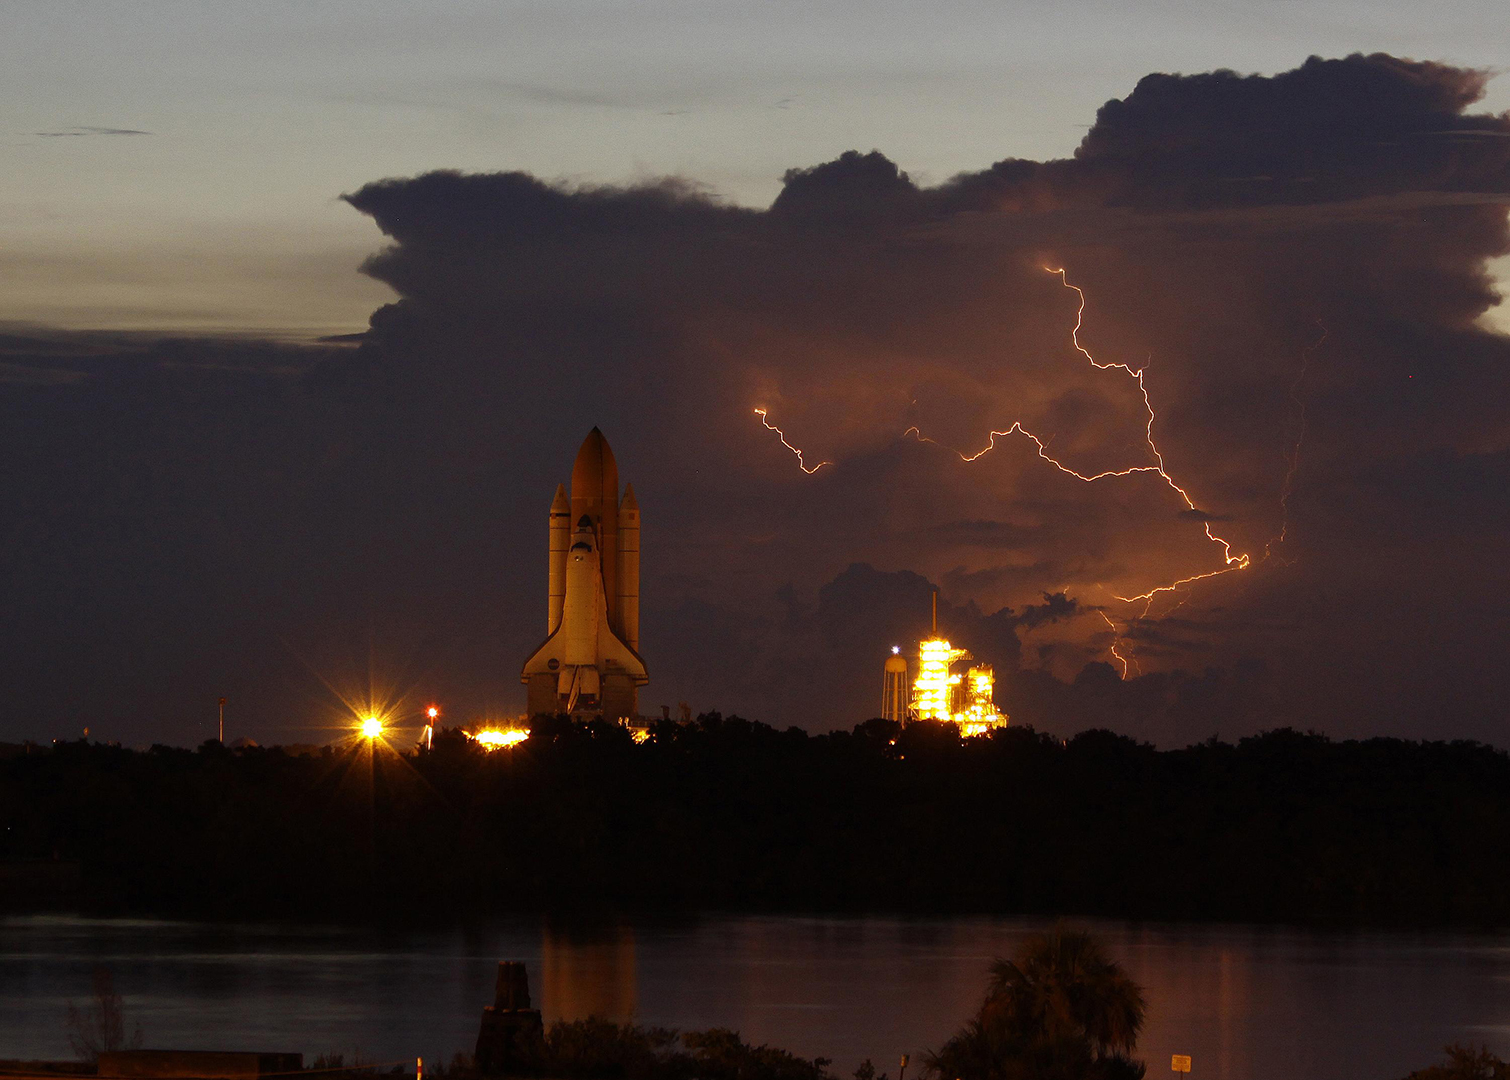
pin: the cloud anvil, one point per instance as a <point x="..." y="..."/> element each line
<point x="1217" y="222"/>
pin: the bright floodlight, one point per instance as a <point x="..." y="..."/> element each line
<point x="492" y="739"/>
<point x="372" y="727"/>
<point x="895" y="649"/>
<point x="432" y="712"/>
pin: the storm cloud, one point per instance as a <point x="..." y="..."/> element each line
<point x="1297" y="265"/>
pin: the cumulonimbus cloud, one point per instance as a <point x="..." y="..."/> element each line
<point x="1295" y="262"/>
<point x="1219" y="225"/>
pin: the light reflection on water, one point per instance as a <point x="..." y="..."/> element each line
<point x="1247" y="1003"/>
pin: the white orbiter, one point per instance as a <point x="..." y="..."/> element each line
<point x="590" y="664"/>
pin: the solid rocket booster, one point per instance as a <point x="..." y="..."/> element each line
<point x="629" y="569"/>
<point x="560" y="541"/>
<point x="589" y="663"/>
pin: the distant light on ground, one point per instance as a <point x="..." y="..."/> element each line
<point x="492" y="739"/>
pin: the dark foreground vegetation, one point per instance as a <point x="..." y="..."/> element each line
<point x="1464" y="1063"/>
<point x="596" y="1049"/>
<point x="1061" y="1010"/>
<point x="599" y="1050"/>
<point x="726" y="813"/>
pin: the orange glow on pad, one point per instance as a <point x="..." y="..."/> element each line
<point x="492" y="739"/>
<point x="938" y="693"/>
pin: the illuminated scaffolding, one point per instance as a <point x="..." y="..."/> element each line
<point x="940" y="693"/>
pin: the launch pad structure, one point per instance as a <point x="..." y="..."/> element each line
<point x="589" y="665"/>
<point x="938" y="692"/>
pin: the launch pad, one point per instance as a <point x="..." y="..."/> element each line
<point x="938" y="692"/>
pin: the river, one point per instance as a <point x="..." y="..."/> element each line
<point x="1246" y="1003"/>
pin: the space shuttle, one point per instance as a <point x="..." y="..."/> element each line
<point x="589" y="665"/>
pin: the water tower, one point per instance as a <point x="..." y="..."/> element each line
<point x="894" y="695"/>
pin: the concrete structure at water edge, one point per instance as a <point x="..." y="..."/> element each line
<point x="511" y="1030"/>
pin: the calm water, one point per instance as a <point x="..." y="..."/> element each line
<point x="1247" y="1003"/>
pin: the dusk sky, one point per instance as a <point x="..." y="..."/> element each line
<point x="637" y="216"/>
<point x="224" y="216"/>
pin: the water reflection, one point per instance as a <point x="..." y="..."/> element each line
<point x="587" y="971"/>
<point x="1246" y="1003"/>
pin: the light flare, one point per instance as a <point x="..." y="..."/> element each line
<point x="801" y="463"/>
<point x="371" y="727"/>
<point x="494" y="738"/>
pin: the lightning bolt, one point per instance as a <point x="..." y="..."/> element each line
<point x="1116" y="641"/>
<point x="1292" y="462"/>
<point x="782" y="436"/>
<point x="1230" y="561"/>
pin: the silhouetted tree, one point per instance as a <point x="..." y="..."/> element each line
<point x="101" y="1025"/>
<point x="1465" y="1064"/>
<point x="720" y="1054"/>
<point x="1062" y="1010"/>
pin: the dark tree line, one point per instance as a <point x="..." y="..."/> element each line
<point x="724" y="813"/>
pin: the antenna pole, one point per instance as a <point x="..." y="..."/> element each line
<point x="935" y="613"/>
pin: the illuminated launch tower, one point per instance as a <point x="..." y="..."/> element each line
<point x="940" y="694"/>
<point x="589" y="665"/>
<point x="894" y="687"/>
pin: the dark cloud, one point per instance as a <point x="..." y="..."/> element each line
<point x="1329" y="129"/>
<point x="36" y="375"/>
<point x="79" y="132"/>
<point x="279" y="514"/>
<point x="1055" y="606"/>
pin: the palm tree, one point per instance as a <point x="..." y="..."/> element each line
<point x="1061" y="1010"/>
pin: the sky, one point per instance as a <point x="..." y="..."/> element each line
<point x="306" y="308"/>
<point x="225" y="215"/>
